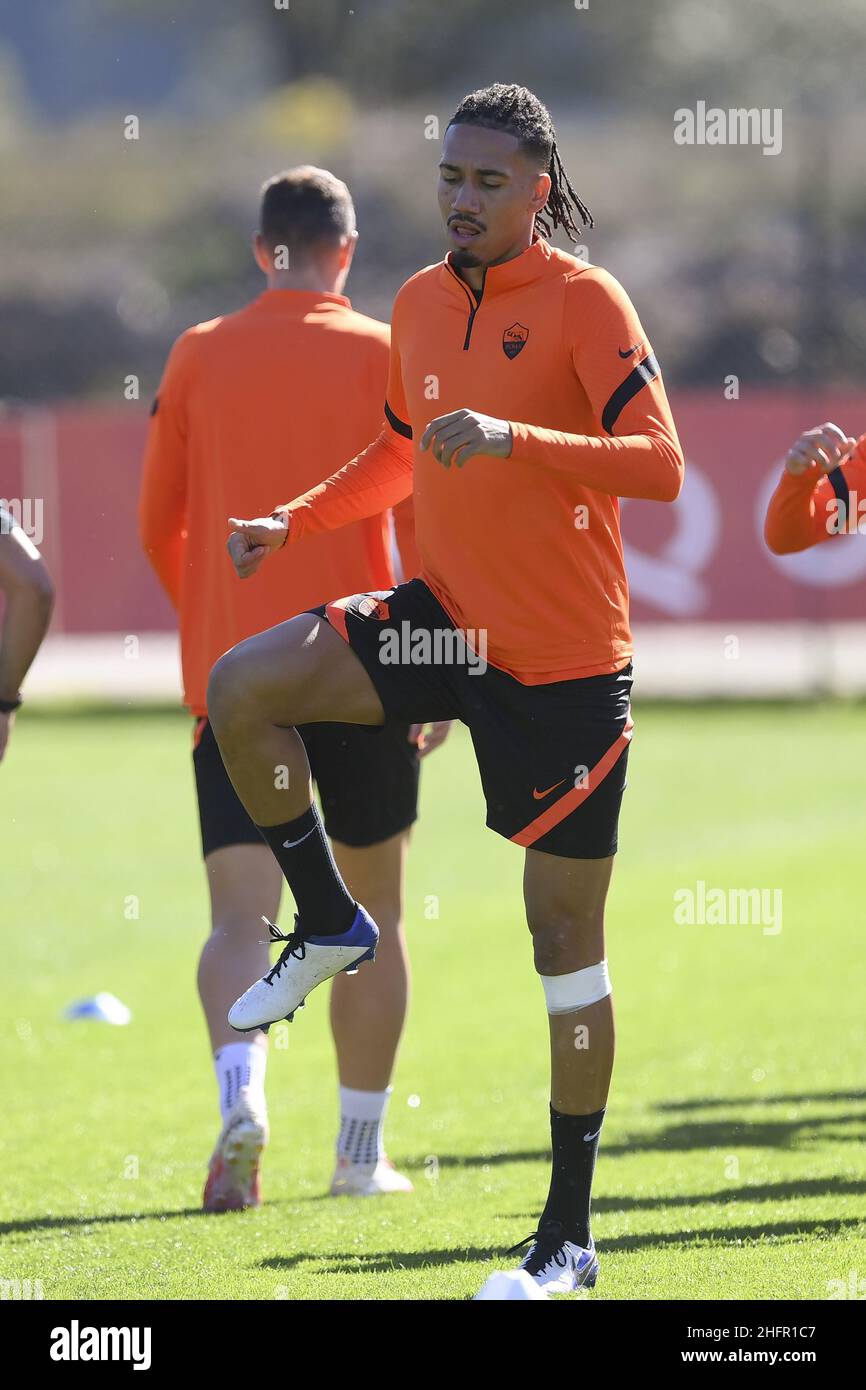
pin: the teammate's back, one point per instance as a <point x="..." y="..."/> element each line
<point x="292" y="385"/>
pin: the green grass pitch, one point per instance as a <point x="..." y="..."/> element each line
<point x="732" y="1160"/>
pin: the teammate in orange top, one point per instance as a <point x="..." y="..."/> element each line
<point x="292" y="382"/>
<point x="822" y="491"/>
<point x="525" y="397"/>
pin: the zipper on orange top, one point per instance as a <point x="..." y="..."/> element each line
<point x="473" y="302"/>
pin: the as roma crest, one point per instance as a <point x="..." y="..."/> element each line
<point x="514" y="339"/>
<point x="372" y="607"/>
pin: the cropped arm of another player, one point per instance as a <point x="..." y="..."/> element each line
<point x="29" y="592"/>
<point x="824" y="470"/>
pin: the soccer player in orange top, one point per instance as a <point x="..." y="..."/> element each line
<point x="820" y="491"/>
<point x="289" y="386"/>
<point x="525" y="397"/>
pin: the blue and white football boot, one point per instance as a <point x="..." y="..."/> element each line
<point x="558" y="1265"/>
<point x="306" y="961"/>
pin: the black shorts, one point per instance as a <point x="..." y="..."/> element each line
<point x="368" y="786"/>
<point x="552" y="757"/>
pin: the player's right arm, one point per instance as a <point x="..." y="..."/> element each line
<point x="378" y="478"/>
<point x="822" y="468"/>
<point x="162" y="500"/>
<point x="29" y="594"/>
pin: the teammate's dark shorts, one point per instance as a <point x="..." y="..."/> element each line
<point x="552" y="757"/>
<point x="368" y="786"/>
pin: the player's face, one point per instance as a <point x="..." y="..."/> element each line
<point x="489" y="192"/>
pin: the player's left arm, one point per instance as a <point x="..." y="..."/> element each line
<point x="636" y="452"/>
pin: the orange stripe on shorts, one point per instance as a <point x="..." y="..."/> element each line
<point x="335" y="612"/>
<point x="570" y="800"/>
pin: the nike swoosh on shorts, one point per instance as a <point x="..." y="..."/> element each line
<point x="539" y="796"/>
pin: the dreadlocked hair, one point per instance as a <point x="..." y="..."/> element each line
<point x="505" y="106"/>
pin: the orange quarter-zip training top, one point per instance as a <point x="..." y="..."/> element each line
<point x="527" y="547"/>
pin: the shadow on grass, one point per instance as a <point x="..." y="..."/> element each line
<point x="790" y="1134"/>
<point x="108" y="1218"/>
<point x="762" y="1134"/>
<point x="382" y="1261"/>
<point x="727" y="1196"/>
<point x="700" y="1134"/>
<point x="805" y="1098"/>
<point x="392" y="1261"/>
<point x="758" y="1192"/>
<point x="756" y="1234"/>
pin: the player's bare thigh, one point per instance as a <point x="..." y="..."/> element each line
<point x="300" y="672"/>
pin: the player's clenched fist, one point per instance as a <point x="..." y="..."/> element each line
<point x="825" y="445"/>
<point x="456" y="437"/>
<point x="251" y="541"/>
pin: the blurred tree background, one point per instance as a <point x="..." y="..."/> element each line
<point x="739" y="262"/>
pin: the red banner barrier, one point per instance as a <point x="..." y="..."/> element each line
<point x="73" y="474"/>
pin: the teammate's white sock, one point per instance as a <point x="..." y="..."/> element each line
<point x="362" y="1125"/>
<point x="240" y="1064"/>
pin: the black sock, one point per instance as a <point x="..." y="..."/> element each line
<point x="325" y="905"/>
<point x="575" y="1145"/>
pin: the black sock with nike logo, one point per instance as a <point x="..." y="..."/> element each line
<point x="325" y="905"/>
<point x="575" y="1145"/>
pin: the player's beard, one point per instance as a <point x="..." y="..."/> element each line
<point x="464" y="259"/>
